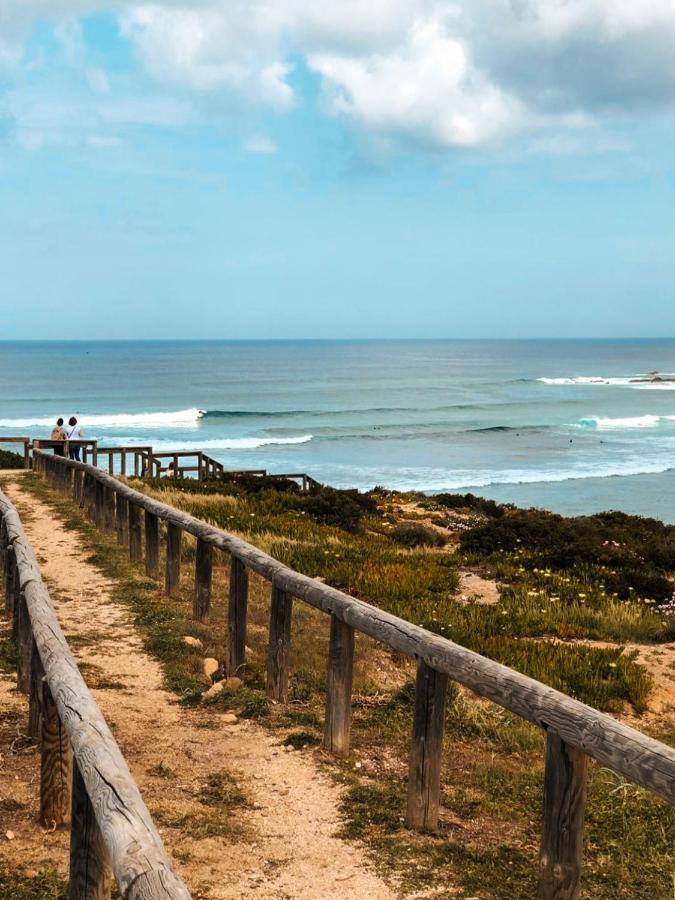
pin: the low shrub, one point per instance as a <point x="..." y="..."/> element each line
<point x="410" y="534"/>
<point x="254" y="484"/>
<point x="345" y="509"/>
<point x="9" y="460"/>
<point x="469" y="501"/>
<point x="635" y="553"/>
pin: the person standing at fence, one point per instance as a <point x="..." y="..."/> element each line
<point x="58" y="434"/>
<point x="74" y="433"/>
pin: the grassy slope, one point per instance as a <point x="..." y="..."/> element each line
<point x="492" y="778"/>
<point x="10" y="460"/>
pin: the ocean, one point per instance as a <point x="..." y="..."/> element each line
<point x="575" y="426"/>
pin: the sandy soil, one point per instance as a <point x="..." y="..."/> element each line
<point x="287" y="847"/>
<point x="474" y="588"/>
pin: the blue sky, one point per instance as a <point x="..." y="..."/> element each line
<point x="278" y="169"/>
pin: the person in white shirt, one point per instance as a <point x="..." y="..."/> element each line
<point x="73" y="433"/>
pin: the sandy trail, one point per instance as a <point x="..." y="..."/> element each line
<point x="289" y="848"/>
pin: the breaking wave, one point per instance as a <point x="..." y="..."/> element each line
<point x="604" y="423"/>
<point x="180" y="418"/>
<point x="243" y="443"/>
<point x="641" y="381"/>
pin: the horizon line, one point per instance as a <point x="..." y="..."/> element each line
<point x="292" y="340"/>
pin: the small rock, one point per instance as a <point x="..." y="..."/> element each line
<point x="210" y="666"/>
<point x="233" y="682"/>
<point x="214" y="690"/>
<point x="192" y="641"/>
<point x="9" y="835"/>
<point x="229" y="718"/>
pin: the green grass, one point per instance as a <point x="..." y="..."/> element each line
<point x="7" y="653"/>
<point x="245" y="701"/>
<point x="301" y="739"/>
<point x="43" y="885"/>
<point x="222" y="791"/>
<point x="628" y="847"/>
<point x="419" y="584"/>
<point x="218" y="797"/>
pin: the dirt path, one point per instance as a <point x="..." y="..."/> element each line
<point x="280" y="844"/>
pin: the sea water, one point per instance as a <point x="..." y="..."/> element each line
<point x="574" y="426"/>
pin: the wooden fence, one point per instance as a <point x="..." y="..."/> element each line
<point x="84" y="779"/>
<point x="574" y="731"/>
<point x="25" y="441"/>
<point x="140" y="461"/>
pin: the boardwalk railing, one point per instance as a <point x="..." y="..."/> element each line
<point x="574" y="731"/>
<point x="25" y="441"/>
<point x="142" y="460"/>
<point x="84" y="779"/>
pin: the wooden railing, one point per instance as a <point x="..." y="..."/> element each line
<point x="574" y="731"/>
<point x="142" y="461"/>
<point x="26" y="447"/>
<point x="117" y="460"/>
<point x="84" y="779"/>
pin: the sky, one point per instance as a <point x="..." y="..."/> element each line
<point x="293" y="169"/>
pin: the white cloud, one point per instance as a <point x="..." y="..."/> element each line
<point x="443" y="73"/>
<point x="427" y="90"/>
<point x="260" y="143"/>
<point x="209" y="48"/>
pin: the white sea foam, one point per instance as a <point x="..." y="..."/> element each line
<point x="465" y="480"/>
<point x="180" y="419"/>
<point x="638" y="382"/>
<point x="243" y="443"/>
<point x="604" y="423"/>
<point x="585" y="379"/>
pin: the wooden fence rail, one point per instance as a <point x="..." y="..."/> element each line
<point x="574" y="731"/>
<point x="25" y="441"/>
<point x="84" y="779"/>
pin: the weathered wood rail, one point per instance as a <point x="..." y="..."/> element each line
<point x="574" y="731"/>
<point x="84" y="779"/>
<point x="25" y="441"/>
<point x="141" y="460"/>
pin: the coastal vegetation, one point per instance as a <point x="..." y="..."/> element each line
<point x="560" y="619"/>
<point x="10" y="460"/>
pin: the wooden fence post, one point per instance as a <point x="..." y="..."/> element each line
<point x="203" y="577"/>
<point x="174" y="535"/>
<point x="4" y="541"/>
<point x="108" y="510"/>
<point x="99" y="503"/>
<point x="135" y="548"/>
<point x="426" y="749"/>
<point x="279" y="645"/>
<point x="236" y="617"/>
<point x="560" y="856"/>
<point x="23" y="645"/>
<point x="85" y="502"/>
<point x="90" y="874"/>
<point x="339" y="687"/>
<point x="151" y="545"/>
<point x="56" y="764"/>
<point x="14" y="594"/>
<point x="77" y="486"/>
<point x="122" y="519"/>
<point x="37" y="673"/>
<point x="10" y="564"/>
